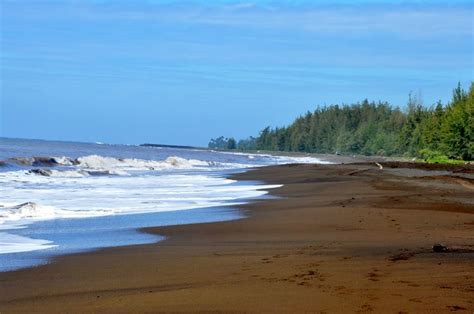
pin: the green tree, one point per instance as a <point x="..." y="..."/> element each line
<point x="374" y="128"/>
<point x="231" y="143"/>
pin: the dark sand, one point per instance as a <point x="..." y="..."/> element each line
<point x="343" y="238"/>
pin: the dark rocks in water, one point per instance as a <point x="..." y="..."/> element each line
<point x="41" y="172"/>
<point x="438" y="247"/>
<point x="3" y="163"/>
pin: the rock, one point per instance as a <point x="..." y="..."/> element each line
<point x="438" y="247"/>
<point x="41" y="172"/>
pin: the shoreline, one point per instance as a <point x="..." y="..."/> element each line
<point x="289" y="254"/>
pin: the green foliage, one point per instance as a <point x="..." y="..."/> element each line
<point x="222" y="143"/>
<point x="437" y="157"/>
<point x="231" y="143"/>
<point x="431" y="156"/>
<point x="248" y="144"/>
<point x="441" y="133"/>
<point x="458" y="136"/>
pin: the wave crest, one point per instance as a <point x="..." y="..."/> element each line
<point x="26" y="210"/>
<point x="100" y="162"/>
<point x="96" y="165"/>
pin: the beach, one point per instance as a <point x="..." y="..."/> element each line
<point x="335" y="239"/>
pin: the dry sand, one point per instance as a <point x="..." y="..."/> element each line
<point x="341" y="238"/>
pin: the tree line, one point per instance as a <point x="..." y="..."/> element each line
<point x="439" y="132"/>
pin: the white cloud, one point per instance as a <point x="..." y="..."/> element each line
<point x="410" y="21"/>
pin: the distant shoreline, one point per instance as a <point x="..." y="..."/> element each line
<point x="342" y="158"/>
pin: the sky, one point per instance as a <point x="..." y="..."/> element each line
<point x="181" y="72"/>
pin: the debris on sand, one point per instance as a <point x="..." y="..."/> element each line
<point x="438" y="247"/>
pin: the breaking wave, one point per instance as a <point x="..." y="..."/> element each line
<point x="95" y="165"/>
<point x="30" y="211"/>
<point x="26" y="210"/>
<point x="100" y="162"/>
<point x="44" y="188"/>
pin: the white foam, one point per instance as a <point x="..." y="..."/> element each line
<point x="280" y="159"/>
<point x="65" y="161"/>
<point x="100" y="162"/>
<point x="93" y="185"/>
<point x="11" y="243"/>
<point x="301" y="160"/>
<point x="26" y="210"/>
<point x="85" y="173"/>
<point x="19" y="215"/>
<point x="71" y="196"/>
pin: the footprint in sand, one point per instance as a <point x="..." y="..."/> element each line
<point x="374" y="275"/>
<point x="342" y="290"/>
<point x="365" y="308"/>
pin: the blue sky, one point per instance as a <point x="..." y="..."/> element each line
<point x="181" y="72"/>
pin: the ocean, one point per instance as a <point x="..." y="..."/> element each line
<point x="65" y="197"/>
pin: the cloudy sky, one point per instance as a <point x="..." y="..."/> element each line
<point x="180" y="72"/>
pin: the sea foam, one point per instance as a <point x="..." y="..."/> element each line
<point x="62" y="187"/>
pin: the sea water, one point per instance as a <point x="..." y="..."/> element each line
<point x="64" y="197"/>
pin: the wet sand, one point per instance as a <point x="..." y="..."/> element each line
<point x="340" y="238"/>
